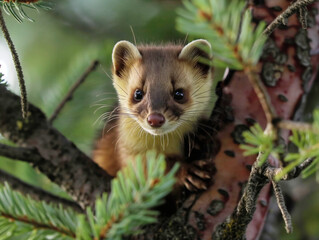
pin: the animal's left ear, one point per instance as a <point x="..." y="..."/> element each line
<point x="198" y="52"/>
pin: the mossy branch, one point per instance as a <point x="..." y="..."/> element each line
<point x="17" y="64"/>
<point x="297" y="7"/>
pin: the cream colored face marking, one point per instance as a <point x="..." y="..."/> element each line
<point x="159" y="71"/>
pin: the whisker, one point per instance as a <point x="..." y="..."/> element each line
<point x="103" y="106"/>
<point x="104" y="99"/>
<point x="121" y="88"/>
<point x="101" y="66"/>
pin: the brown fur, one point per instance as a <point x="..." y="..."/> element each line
<point x="158" y="71"/>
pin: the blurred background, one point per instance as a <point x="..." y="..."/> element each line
<point x="61" y="44"/>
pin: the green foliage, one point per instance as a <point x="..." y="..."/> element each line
<point x="16" y="8"/>
<point x="307" y="143"/>
<point x="219" y="22"/>
<point x="260" y="142"/>
<point x="137" y="189"/>
<point x="23" y="216"/>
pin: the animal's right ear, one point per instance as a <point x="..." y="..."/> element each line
<point x="124" y="52"/>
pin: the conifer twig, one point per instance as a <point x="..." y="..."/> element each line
<point x="282" y="206"/>
<point x="262" y="95"/>
<point x="38" y="225"/>
<point x="235" y="226"/>
<point x="69" y="95"/>
<point x="36" y="193"/>
<point x="293" y="125"/>
<point x="305" y="164"/>
<point x="295" y="7"/>
<point x="272" y="172"/>
<point x="17" y="64"/>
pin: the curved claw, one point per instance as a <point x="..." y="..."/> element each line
<point x="196" y="182"/>
<point x="200" y="173"/>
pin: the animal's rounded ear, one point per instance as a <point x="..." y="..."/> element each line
<point x="198" y="52"/>
<point x="123" y="54"/>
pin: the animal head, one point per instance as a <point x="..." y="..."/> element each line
<point x="163" y="88"/>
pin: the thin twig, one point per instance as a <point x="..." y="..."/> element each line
<point x="286" y="14"/>
<point x="300" y="126"/>
<point x="38" y="224"/>
<point x="69" y="95"/>
<point x="29" y="155"/>
<point x="262" y="95"/>
<point x="17" y="64"/>
<point x="305" y="164"/>
<point x="35" y="192"/>
<point x="282" y="206"/>
<point x="235" y="226"/>
<point x="302" y="16"/>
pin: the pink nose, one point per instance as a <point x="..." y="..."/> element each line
<point x="155" y="120"/>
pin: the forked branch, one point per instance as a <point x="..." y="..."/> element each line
<point x="296" y="7"/>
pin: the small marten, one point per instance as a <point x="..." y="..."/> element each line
<point x="164" y="92"/>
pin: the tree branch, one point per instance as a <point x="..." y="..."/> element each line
<point x="17" y="64"/>
<point x="62" y="162"/>
<point x="262" y="95"/>
<point x="29" y="155"/>
<point x="235" y="226"/>
<point x="282" y="206"/>
<point x="37" y="193"/>
<point x="291" y="125"/>
<point x="286" y="14"/>
<point x="69" y="95"/>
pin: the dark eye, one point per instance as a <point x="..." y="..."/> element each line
<point x="138" y="95"/>
<point x="179" y="94"/>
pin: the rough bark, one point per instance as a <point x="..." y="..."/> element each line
<point x="54" y="155"/>
<point x="287" y="70"/>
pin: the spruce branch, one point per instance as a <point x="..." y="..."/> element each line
<point x="235" y="226"/>
<point x="36" y="193"/>
<point x="136" y="191"/>
<point x="235" y="41"/>
<point x="25" y="215"/>
<point x="17" y="64"/>
<point x="296" y="7"/>
<point x="69" y="95"/>
<point x="305" y="137"/>
<point x="16" y="7"/>
<point x="273" y="172"/>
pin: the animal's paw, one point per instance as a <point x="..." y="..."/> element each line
<point x="197" y="175"/>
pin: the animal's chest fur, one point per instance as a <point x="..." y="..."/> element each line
<point x="134" y="140"/>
